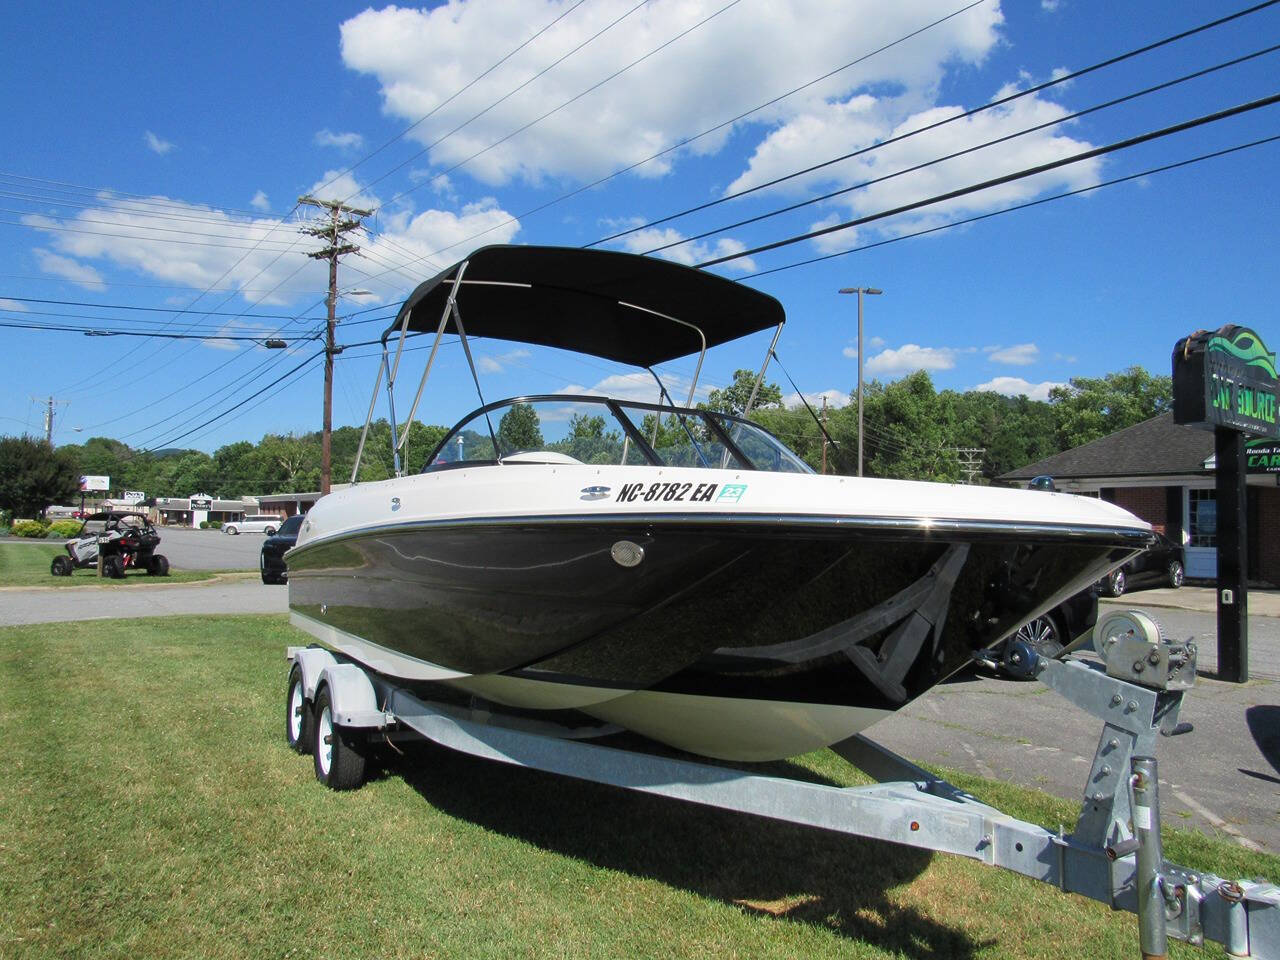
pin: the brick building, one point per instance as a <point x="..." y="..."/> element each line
<point x="1163" y="473"/>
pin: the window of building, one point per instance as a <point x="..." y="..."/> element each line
<point x="1203" y="511"/>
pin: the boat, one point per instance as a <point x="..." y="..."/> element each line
<point x="673" y="571"/>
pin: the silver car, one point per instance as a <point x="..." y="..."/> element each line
<point x="267" y="523"/>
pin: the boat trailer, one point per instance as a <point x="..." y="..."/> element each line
<point x="1114" y="854"/>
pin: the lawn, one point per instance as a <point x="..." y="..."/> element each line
<point x="152" y="810"/>
<point x="27" y="565"/>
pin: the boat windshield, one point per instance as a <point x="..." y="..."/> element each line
<point x="595" y="430"/>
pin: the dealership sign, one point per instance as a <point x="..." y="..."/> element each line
<point x="1226" y="378"/>
<point x="94" y="483"/>
<point x="133" y="496"/>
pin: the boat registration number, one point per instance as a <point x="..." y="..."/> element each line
<point x="678" y="491"/>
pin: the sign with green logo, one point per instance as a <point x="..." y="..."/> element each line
<point x="1263" y="456"/>
<point x="1227" y="378"/>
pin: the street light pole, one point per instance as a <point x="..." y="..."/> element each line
<point x="871" y="291"/>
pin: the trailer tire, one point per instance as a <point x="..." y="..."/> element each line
<point x="113" y="567"/>
<point x="158" y="565"/>
<point x="298" y="718"/>
<point x="60" y="567"/>
<point x="339" y="759"/>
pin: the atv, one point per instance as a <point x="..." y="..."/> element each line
<point x="125" y="541"/>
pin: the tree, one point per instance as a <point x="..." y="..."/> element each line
<point x="733" y="398"/>
<point x="520" y="429"/>
<point x="1093" y="407"/>
<point x="33" y="475"/>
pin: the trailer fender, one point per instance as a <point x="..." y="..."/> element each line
<point x="351" y="693"/>
<point x="312" y="661"/>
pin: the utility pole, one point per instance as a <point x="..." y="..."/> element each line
<point x="870" y="291"/>
<point x="333" y="230"/>
<point x="824" y="436"/>
<point x="48" y="415"/>
<point x="970" y="460"/>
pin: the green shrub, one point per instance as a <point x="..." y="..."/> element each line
<point x="29" y="528"/>
<point x="204" y="524"/>
<point x="4" y="531"/>
<point x="215" y="524"/>
<point x="64" y="529"/>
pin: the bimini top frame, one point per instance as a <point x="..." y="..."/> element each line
<point x="618" y="306"/>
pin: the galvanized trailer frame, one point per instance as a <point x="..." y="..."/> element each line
<point x="1113" y="855"/>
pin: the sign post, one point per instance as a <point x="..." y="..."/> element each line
<point x="1225" y="380"/>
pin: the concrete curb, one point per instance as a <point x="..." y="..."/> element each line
<point x="156" y="582"/>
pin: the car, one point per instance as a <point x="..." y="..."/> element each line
<point x="267" y="523"/>
<point x="271" y="562"/>
<point x="1162" y="565"/>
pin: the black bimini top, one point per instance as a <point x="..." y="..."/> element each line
<point x="586" y="300"/>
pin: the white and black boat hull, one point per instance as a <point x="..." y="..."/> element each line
<point x="742" y="637"/>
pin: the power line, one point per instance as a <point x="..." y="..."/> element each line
<point x="105" y="332"/>
<point x="1021" y="206"/>
<point x="999" y="101"/>
<point x="595" y="86"/>
<point x="130" y="197"/>
<point x="1007" y="178"/>
<point x="126" y="306"/>
<point x="960" y="153"/>
<point x="443" y="103"/>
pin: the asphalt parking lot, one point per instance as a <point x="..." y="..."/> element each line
<point x="210" y="549"/>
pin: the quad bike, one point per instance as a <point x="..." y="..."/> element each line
<point x="125" y="541"/>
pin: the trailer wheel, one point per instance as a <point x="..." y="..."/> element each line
<point x="338" y="759"/>
<point x="158" y="565"/>
<point x="298" y="718"/>
<point x="61" y="566"/>
<point x="113" y="567"/>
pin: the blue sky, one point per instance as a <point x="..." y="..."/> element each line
<point x="154" y="158"/>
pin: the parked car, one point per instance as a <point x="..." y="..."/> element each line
<point x="1163" y="565"/>
<point x="267" y="523"/>
<point x="271" y="563"/>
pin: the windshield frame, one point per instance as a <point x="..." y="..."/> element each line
<point x="713" y="419"/>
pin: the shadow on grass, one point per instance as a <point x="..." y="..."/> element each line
<point x="761" y="866"/>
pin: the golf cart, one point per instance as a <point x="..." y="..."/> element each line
<point x="125" y="541"/>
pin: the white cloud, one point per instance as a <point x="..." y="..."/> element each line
<point x="434" y="238"/>
<point x="14" y="305"/>
<point x="420" y="58"/>
<point x="1019" y="355"/>
<point x="1017" y="387"/>
<point x="260" y="202"/>
<point x="340" y="185"/>
<point x="851" y="351"/>
<point x="498" y="363"/>
<point x="259" y="253"/>
<point x="68" y="269"/>
<point x="155" y="144"/>
<point x="911" y="357"/>
<point x="344" y="141"/>
<point x="641" y="387"/>
<point x="835" y="398"/>
<point x="834" y="129"/>
<point x="1065" y="357"/>
<point x="687" y="253"/>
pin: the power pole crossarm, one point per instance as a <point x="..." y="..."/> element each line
<point x="342" y="220"/>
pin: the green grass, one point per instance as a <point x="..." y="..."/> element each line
<point x="150" y="809"/>
<point x="27" y="565"/>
